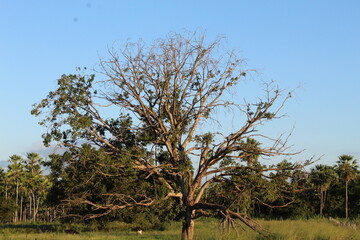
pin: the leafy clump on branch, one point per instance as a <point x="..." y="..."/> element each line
<point x="165" y="93"/>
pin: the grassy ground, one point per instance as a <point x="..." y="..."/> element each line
<point x="204" y="230"/>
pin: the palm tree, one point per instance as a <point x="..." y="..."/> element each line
<point x="347" y="167"/>
<point x="322" y="177"/>
<point x="3" y="186"/>
<point x="34" y="182"/>
<point x="15" y="174"/>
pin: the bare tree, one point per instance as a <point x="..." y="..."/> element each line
<point x="171" y="90"/>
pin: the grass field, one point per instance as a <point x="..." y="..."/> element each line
<point x="289" y="229"/>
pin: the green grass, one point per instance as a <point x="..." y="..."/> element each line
<point x="314" y="229"/>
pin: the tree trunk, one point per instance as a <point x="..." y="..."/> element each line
<point x="21" y="208"/>
<point x="188" y="226"/>
<point x="16" y="201"/>
<point x="321" y="202"/>
<point x="6" y="192"/>
<point x="346" y="200"/>
<point x="30" y="206"/>
<point x="325" y="198"/>
<point x="25" y="214"/>
<point x="34" y="207"/>
<point x="36" y="211"/>
<point x="47" y="215"/>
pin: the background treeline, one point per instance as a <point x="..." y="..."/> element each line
<point x="32" y="189"/>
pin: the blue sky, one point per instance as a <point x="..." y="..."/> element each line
<point x="314" y="44"/>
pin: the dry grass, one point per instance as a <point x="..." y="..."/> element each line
<point x="208" y="230"/>
<point x="314" y="229"/>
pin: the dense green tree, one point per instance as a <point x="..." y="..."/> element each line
<point x="354" y="198"/>
<point x="283" y="185"/>
<point x="170" y="89"/>
<point x="92" y="174"/>
<point x="348" y="171"/>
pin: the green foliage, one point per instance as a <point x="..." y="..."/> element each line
<point x="80" y="173"/>
<point x="70" y="102"/>
<point x="88" y="174"/>
<point x="322" y="176"/>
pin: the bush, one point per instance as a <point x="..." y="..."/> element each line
<point x="145" y="221"/>
<point x="7" y="210"/>
<point x="118" y="226"/>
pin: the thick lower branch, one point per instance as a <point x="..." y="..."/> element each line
<point x="230" y="215"/>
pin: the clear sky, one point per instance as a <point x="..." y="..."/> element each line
<point x="314" y="44"/>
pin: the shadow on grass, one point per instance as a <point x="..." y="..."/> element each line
<point x="31" y="227"/>
<point x="270" y="237"/>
